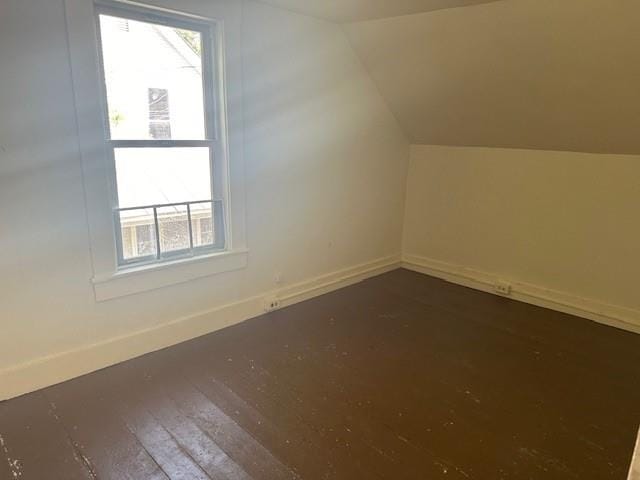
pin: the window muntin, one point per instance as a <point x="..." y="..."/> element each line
<point x="162" y="138"/>
<point x="183" y="228"/>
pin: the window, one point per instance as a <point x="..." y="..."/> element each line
<point x="159" y="118"/>
<point x="165" y="202"/>
<point x="163" y="140"/>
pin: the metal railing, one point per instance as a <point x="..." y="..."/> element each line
<point x="217" y="224"/>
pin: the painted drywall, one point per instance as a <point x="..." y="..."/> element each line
<point x="341" y="11"/>
<point x="533" y="74"/>
<point x="564" y="225"/>
<point x="325" y="178"/>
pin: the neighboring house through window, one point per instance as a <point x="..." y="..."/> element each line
<point x="123" y="25"/>
<point x="159" y="116"/>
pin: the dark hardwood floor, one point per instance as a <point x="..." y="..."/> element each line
<point x="400" y="377"/>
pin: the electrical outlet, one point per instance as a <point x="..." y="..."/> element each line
<point x="503" y="288"/>
<point x="271" y="304"/>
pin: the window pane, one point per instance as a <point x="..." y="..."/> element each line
<point x="138" y="233"/>
<point x="159" y="117"/>
<point x="173" y="223"/>
<point x="154" y="80"/>
<point x="202" y="220"/>
<point x="157" y="176"/>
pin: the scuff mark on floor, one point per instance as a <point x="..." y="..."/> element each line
<point x="470" y="394"/>
<point x="15" y="465"/>
<point x="83" y="459"/>
<point x="547" y="462"/>
<point x="79" y="456"/>
<point x="446" y="466"/>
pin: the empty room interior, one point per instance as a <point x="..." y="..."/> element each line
<point x="319" y="239"/>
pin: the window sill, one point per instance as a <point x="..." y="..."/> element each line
<point x="152" y="277"/>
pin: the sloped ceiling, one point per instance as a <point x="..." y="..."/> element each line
<point x="356" y="10"/>
<point x="538" y="74"/>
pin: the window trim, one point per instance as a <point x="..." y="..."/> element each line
<point x="212" y="128"/>
<point x="84" y="42"/>
<point x="143" y="278"/>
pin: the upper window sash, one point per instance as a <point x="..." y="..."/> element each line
<point x="210" y="82"/>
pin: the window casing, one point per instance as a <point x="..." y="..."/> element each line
<point x="167" y="174"/>
<point x="111" y="278"/>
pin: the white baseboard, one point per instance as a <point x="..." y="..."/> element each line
<point x="53" y="369"/>
<point x="612" y="315"/>
<point x="634" y="472"/>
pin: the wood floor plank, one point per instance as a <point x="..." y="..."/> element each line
<point x="163" y="447"/>
<point x="107" y="446"/>
<point x="275" y="402"/>
<point x="385" y="433"/>
<point x="166" y="376"/>
<point x="379" y="433"/>
<point x="295" y="451"/>
<point x="311" y="398"/>
<point x="133" y="407"/>
<point x="33" y="443"/>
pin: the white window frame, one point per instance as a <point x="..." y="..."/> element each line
<point x="113" y="277"/>
<point x="212" y="98"/>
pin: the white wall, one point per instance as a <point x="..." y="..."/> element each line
<point x="325" y="178"/>
<point x="563" y="226"/>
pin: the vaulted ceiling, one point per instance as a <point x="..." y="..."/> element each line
<point x="538" y="74"/>
<point x="356" y="10"/>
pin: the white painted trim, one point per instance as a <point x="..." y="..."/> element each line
<point x="46" y="371"/>
<point x="97" y="166"/>
<point x="634" y="472"/>
<point x="612" y="315"/>
<point x="160" y="9"/>
<point x="158" y="275"/>
<point x="334" y="281"/>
